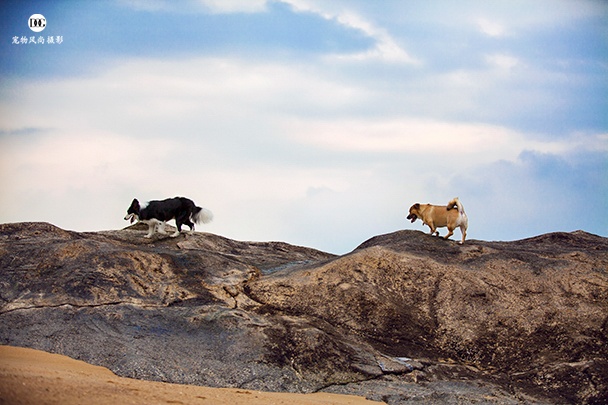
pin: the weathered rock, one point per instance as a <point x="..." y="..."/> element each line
<point x="525" y="313"/>
<point x="404" y="318"/>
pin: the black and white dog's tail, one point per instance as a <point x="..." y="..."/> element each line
<point x="201" y="215"/>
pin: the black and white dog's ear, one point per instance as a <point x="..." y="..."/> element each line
<point x="135" y="204"/>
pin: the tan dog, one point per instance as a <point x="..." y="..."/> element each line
<point x="438" y="216"/>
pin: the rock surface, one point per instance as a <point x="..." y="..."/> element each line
<point x="404" y="318"/>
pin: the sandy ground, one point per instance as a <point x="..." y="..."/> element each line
<point x="34" y="377"/>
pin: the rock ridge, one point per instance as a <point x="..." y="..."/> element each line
<point x="403" y="318"/>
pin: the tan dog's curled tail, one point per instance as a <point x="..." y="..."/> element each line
<point x="463" y="221"/>
<point x="455" y="202"/>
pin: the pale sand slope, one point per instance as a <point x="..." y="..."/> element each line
<point x="34" y="377"/>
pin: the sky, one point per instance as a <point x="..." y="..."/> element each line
<point x="317" y="123"/>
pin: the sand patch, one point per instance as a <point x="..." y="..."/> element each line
<point x="30" y="376"/>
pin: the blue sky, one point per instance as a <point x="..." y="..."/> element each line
<point x="312" y="122"/>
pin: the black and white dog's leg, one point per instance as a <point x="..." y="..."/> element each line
<point x="178" y="224"/>
<point x="183" y="219"/>
<point x="161" y="227"/>
<point x="151" y="227"/>
<point x="190" y="225"/>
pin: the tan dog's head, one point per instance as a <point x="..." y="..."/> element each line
<point x="414" y="212"/>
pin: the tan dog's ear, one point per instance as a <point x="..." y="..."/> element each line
<point x="417" y="205"/>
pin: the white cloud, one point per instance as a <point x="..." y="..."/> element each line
<point x="514" y="18"/>
<point x="57" y="162"/>
<point x="234" y="6"/>
<point x="455" y="142"/>
<point x="212" y="6"/>
<point x="491" y="28"/>
<point x="502" y="61"/>
<point x="386" y="48"/>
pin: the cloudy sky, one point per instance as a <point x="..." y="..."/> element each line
<point x="313" y="122"/>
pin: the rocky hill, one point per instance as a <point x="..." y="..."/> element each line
<point x="404" y="318"/>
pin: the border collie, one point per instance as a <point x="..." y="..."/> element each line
<point x="182" y="209"/>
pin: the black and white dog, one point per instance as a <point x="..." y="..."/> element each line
<point x="155" y="213"/>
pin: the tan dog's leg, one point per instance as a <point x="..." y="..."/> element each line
<point x="463" y="230"/>
<point x="450" y="233"/>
